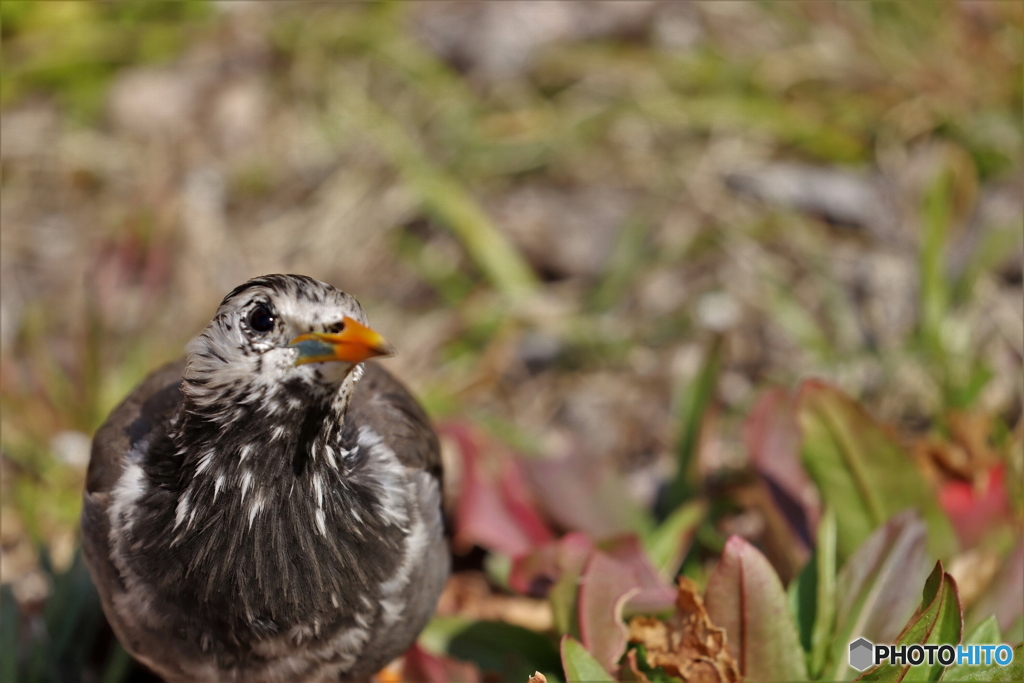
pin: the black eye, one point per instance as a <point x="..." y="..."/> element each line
<point x="261" y="320"/>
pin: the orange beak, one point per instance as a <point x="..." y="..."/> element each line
<point x="354" y="344"/>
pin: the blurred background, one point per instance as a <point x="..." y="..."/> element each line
<point x="595" y="230"/>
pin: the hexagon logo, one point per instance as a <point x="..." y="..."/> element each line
<point x="861" y="654"/>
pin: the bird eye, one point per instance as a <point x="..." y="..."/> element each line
<point x="261" y="320"/>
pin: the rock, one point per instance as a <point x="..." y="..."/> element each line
<point x="841" y="197"/>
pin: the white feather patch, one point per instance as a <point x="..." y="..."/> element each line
<point x="255" y="509"/>
<point x="329" y="455"/>
<point x="246" y="482"/>
<point x="319" y="488"/>
<point x="182" y="509"/>
<point x="205" y="461"/>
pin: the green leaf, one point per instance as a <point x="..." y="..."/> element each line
<point x="875" y="589"/>
<point x="580" y="666"/>
<point x="8" y="635"/>
<point x="939" y="621"/>
<point x="503" y="652"/>
<point x="813" y="596"/>
<point x="667" y="544"/>
<point x="73" y="610"/>
<point x="118" y="664"/>
<point x="862" y="470"/>
<point x="693" y="403"/>
<point x="987" y="632"/>
<point x="745" y="597"/>
<point x="1015" y="632"/>
<point x="1013" y="673"/>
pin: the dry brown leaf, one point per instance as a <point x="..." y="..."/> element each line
<point x="971" y="429"/>
<point x="469" y="595"/>
<point x="941" y="460"/>
<point x="967" y="455"/>
<point x="973" y="571"/>
<point x="688" y="645"/>
<point x="537" y="677"/>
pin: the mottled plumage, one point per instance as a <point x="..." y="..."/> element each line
<point x="251" y="519"/>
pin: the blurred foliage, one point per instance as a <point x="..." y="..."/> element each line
<point x="465" y="191"/>
<point x="72" y="49"/>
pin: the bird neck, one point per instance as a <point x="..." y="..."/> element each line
<point x="240" y="449"/>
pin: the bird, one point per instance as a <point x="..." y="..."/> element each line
<point x="269" y="507"/>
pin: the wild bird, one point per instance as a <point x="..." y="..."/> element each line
<point x="269" y="507"/>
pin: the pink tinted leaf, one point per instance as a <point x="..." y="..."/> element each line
<point x="573" y="552"/>
<point x="877" y="588"/>
<point x="772" y="438"/>
<point x="605" y="586"/>
<point x="745" y="597"/>
<point x="561" y="562"/>
<point x="519" y="503"/>
<point x="540" y="564"/>
<point x="583" y="495"/>
<point x="654" y="594"/>
<point x="550" y="561"/>
<point x="492" y="511"/>
<point x="420" y="666"/>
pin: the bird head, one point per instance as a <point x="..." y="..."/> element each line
<point x="280" y="333"/>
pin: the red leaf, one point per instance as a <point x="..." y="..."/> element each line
<point x="550" y="561"/>
<point x="745" y="597"/>
<point x="772" y="437"/>
<point x="518" y="502"/>
<point x="654" y="595"/>
<point x="494" y="508"/>
<point x="420" y="666"/>
<point x="974" y="511"/>
<point x="583" y="495"/>
<point x="605" y="586"/>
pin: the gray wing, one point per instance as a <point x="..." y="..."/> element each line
<point x="383" y="404"/>
<point x="149" y="406"/>
<point x="387" y="407"/>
